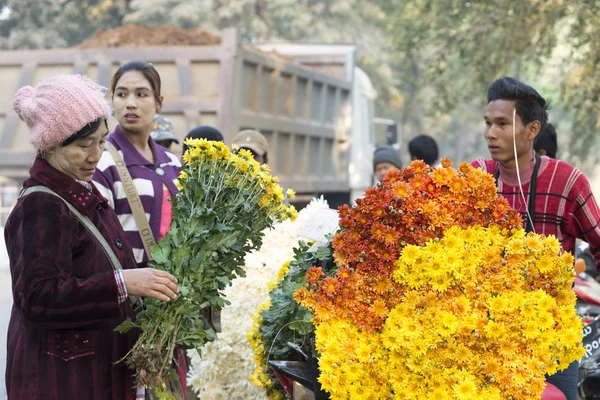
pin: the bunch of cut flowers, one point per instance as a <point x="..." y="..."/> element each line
<point x="440" y="294"/>
<point x="226" y="202"/>
<point x="223" y="369"/>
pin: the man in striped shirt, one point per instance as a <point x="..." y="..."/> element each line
<point x="557" y="197"/>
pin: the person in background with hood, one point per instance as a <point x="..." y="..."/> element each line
<point x="385" y="159"/>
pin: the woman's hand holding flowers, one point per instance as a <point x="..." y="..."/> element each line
<point x="150" y="282"/>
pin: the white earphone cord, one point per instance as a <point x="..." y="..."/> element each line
<point x="518" y="173"/>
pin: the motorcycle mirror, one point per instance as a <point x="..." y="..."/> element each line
<point x="298" y="349"/>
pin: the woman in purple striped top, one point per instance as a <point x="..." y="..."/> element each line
<point x="136" y="89"/>
<point x="136" y="96"/>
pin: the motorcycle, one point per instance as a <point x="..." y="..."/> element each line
<point x="587" y="289"/>
<point x="589" y="366"/>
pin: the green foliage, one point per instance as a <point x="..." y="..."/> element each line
<point x="33" y="24"/>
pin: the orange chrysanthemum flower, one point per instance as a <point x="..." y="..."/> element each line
<point x="329" y="286"/>
<point x="314" y="274"/>
<point x="343" y="273"/>
<point x="401" y="189"/>
<point x="446" y="163"/>
<point x="419" y="166"/>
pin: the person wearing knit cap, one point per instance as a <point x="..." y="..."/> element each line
<point x="68" y="296"/>
<point x="385" y="159"/>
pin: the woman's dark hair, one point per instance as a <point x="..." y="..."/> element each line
<point x="530" y="105"/>
<point x="203" y="132"/>
<point x="424" y="147"/>
<point x="147" y="69"/>
<point x="86" y="131"/>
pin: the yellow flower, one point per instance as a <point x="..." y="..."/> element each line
<point x="534" y="243"/>
<point x="552" y="243"/>
<point x="293" y="213"/>
<point x="282" y="272"/>
<point x="410" y="254"/>
<point x="516" y="246"/>
<point x="363" y="352"/>
<point x="440" y="393"/>
<point x="290" y="194"/>
<point x="242" y="165"/>
<point x="545" y="320"/>
<point x="187" y="157"/>
<point x="465" y="388"/>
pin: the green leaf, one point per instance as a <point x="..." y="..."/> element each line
<point x="211" y="335"/>
<point x="181" y="255"/>
<point x="184" y="291"/>
<point x="220" y="302"/>
<point x="323" y="253"/>
<point x="161" y="253"/>
<point x="126" y="326"/>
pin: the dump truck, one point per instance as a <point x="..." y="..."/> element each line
<point x="312" y="104"/>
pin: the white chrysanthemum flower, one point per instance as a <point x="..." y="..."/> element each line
<point x="223" y="370"/>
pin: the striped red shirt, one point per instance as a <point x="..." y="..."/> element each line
<point x="565" y="206"/>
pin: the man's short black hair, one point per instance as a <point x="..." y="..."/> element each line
<point x="546" y="141"/>
<point x="530" y="105"/>
<point x="423" y="147"/>
<point x="203" y="132"/>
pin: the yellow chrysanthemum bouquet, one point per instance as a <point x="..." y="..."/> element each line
<point x="227" y="200"/>
<point x="458" y="304"/>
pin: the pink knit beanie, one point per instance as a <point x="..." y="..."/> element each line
<point x="59" y="107"/>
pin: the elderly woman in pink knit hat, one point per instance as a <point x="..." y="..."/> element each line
<point x="74" y="275"/>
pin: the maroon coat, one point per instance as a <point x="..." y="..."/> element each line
<point x="61" y="343"/>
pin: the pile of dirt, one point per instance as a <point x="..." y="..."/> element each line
<point x="270" y="53"/>
<point x="132" y="35"/>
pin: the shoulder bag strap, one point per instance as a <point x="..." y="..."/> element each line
<point x="529" y="224"/>
<point x="529" y="227"/>
<point x="497" y="175"/>
<point x="133" y="198"/>
<point x="89" y="225"/>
